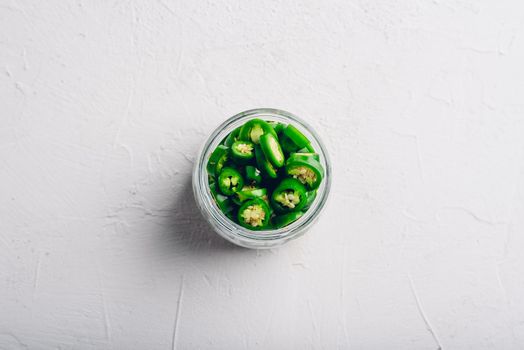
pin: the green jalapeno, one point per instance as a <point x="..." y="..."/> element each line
<point x="251" y="193"/>
<point x="253" y="129"/>
<point x="217" y="159"/>
<point x="264" y="165"/>
<point x="307" y="171"/>
<point x="224" y="203"/>
<point x="297" y="155"/>
<point x="242" y="150"/>
<point x="232" y="137"/>
<point x="212" y="185"/>
<point x="288" y="146"/>
<point x="254" y="214"/>
<point x="253" y="175"/>
<point x="230" y="181"/>
<point x="235" y="198"/>
<point x="278" y="127"/>
<point x="308" y="149"/>
<point x="311" y="195"/>
<point x="272" y="150"/>
<point x="290" y="195"/>
<point x="298" y="138"/>
<point x="286" y="219"/>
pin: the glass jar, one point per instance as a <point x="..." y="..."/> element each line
<point x="233" y="231"/>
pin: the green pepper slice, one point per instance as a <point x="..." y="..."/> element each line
<point x="290" y="195"/>
<point x="253" y="129"/>
<point x="307" y="171"/>
<point x="295" y="156"/>
<point x="254" y="214"/>
<point x="230" y="181"/>
<point x="232" y="137"/>
<point x="235" y="198"/>
<point x="311" y="195"/>
<point x="253" y="175"/>
<point x="242" y="150"/>
<point x="286" y="219"/>
<point x="287" y="145"/>
<point x="264" y="165"/>
<point x="217" y="159"/>
<point x="212" y="185"/>
<point x="251" y="193"/>
<point x="308" y="149"/>
<point x="213" y="189"/>
<point x="224" y="203"/>
<point x="278" y="127"/>
<point x="296" y="136"/>
<point x="272" y="150"/>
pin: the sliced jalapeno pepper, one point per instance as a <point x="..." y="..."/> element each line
<point x="311" y="195"/>
<point x="295" y="156"/>
<point x="285" y="219"/>
<point x="290" y="195"/>
<point x="232" y="137"/>
<point x="264" y="165"/>
<point x="296" y="136"/>
<point x="272" y="150"/>
<point x="230" y="181"/>
<point x="278" y="127"/>
<point x="308" y="149"/>
<point x="253" y="175"/>
<point x="212" y="187"/>
<point x="251" y="193"/>
<point x="235" y="200"/>
<point x="307" y="171"/>
<point x="212" y="184"/>
<point x="287" y="145"/>
<point x="217" y="159"/>
<point x="235" y="197"/>
<point x="254" y="214"/>
<point x="224" y="203"/>
<point x="242" y="150"/>
<point x="253" y="129"/>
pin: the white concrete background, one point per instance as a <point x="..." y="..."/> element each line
<point x="105" y="104"/>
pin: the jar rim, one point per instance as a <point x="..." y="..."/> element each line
<point x="226" y="227"/>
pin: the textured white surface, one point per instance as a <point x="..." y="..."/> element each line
<point x="104" y="106"/>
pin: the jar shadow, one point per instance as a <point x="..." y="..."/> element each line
<point x="188" y="230"/>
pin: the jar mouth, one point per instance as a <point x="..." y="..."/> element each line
<point x="230" y="229"/>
